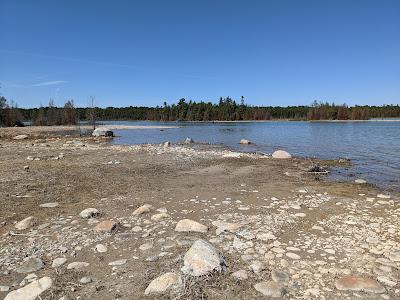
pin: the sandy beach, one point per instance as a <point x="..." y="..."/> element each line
<point x="275" y="230"/>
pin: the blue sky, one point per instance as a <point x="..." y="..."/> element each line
<point x="146" y="52"/>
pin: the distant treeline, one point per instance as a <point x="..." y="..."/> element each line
<point x="227" y="109"/>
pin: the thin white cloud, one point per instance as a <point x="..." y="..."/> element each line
<point x="47" y="83"/>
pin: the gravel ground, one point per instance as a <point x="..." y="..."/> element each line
<point x="278" y="231"/>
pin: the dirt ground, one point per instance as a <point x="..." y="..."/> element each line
<point x="335" y="229"/>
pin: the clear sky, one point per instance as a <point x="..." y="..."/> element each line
<point x="146" y="52"/>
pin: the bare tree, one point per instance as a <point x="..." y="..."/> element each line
<point x="91" y="113"/>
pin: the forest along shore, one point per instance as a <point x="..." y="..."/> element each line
<point x="81" y="217"/>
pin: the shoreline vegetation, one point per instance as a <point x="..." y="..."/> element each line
<point x="226" y="110"/>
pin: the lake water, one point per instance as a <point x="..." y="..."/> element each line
<point x="373" y="147"/>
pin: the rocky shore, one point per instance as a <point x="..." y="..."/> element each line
<point x="81" y="219"/>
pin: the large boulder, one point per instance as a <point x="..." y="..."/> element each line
<point x="164" y="283"/>
<point x="281" y="154"/>
<point x="203" y="258"/>
<point x="187" y="225"/>
<point x="102" y="131"/>
<point x="31" y="291"/>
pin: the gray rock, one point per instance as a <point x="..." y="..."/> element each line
<point x="280" y="276"/>
<point x="203" y="258"/>
<point x="31" y="291"/>
<point x="31" y="265"/>
<point x="89" y="213"/>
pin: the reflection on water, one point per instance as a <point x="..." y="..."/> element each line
<point x="373" y="147"/>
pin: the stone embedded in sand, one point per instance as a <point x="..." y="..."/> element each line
<point x="160" y="216"/>
<point x="85" y="280"/>
<point x="20" y="137"/>
<point x="240" y="275"/>
<point x="26" y="223"/>
<point x="270" y="289"/>
<point x="101" y="248"/>
<point x="245" y="142"/>
<point x="31" y="291"/>
<point x="142" y="209"/>
<point x="281" y="154"/>
<point x="77" y="265"/>
<point x="280" y="276"/>
<point x="58" y="262"/>
<point x="203" y="258"/>
<point x="106" y="226"/>
<point x="49" y="205"/>
<point x="89" y="213"/>
<point x="394" y="255"/>
<point x="146" y="246"/>
<point x="257" y="266"/>
<point x="31" y="265"/>
<point x="293" y="255"/>
<point x="225" y="226"/>
<point x="187" y="225"/>
<point x="357" y="284"/>
<point x="383" y="196"/>
<point x="265" y="236"/>
<point x="163" y="283"/>
<point x="119" y="262"/>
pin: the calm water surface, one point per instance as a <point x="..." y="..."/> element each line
<point x="373" y="147"/>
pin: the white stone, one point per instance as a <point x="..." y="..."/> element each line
<point x="31" y="291"/>
<point x="77" y="265"/>
<point x="49" y="205"/>
<point x="58" y="262"/>
<point x="164" y="283"/>
<point x="281" y="154"/>
<point x="26" y="223"/>
<point x="101" y="248"/>
<point x="187" y="225"/>
<point x="89" y="213"/>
